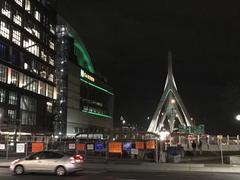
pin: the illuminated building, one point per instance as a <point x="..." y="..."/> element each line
<point x="27" y="66"/>
<point x="85" y="101"/>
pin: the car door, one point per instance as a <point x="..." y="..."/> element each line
<point x="32" y="162"/>
<point x="49" y="161"/>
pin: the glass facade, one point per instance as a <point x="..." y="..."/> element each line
<point x="27" y="59"/>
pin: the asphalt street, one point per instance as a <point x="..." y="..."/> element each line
<point x="5" y="174"/>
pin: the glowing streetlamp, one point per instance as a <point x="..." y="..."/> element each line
<point x="238" y="117"/>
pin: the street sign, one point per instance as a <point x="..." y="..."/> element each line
<point x="37" y="146"/>
<point x="2" y="146"/>
<point x="90" y="147"/>
<point x="99" y="146"/>
<point x="134" y="151"/>
<point x="71" y="146"/>
<point x="20" y="148"/>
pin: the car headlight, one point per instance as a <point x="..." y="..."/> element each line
<point x="15" y="161"/>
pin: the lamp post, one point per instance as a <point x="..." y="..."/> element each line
<point x="237" y="117"/>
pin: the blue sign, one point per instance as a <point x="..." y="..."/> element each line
<point x="127" y="146"/>
<point x="99" y="146"/>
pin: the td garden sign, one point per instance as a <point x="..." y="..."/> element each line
<point x="85" y="75"/>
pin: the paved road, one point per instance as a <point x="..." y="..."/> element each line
<point x="108" y="175"/>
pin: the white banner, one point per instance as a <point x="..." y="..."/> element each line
<point x="2" y="146"/>
<point x="20" y="148"/>
<point x="134" y="151"/>
<point x="71" y="146"/>
<point x="90" y="146"/>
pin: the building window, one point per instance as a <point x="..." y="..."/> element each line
<point x="4" y="30"/>
<point x="2" y="95"/>
<point x="12" y="114"/>
<point x="14" y="77"/>
<point x="49" y="107"/>
<point x="6" y="9"/>
<point x="16" y="37"/>
<point x="50" y="77"/>
<point x="3" y="73"/>
<point x="17" y="18"/>
<point x="31" y="46"/>
<point x="51" y="60"/>
<point x="28" y="6"/>
<point x="42" y="88"/>
<point x="29" y="83"/>
<point x="15" y="57"/>
<point x="28" y="108"/>
<point x="50" y="91"/>
<point x="32" y="29"/>
<point x="37" y="15"/>
<point x="51" y="28"/>
<point x="19" y="2"/>
<point x="3" y="51"/>
<point x="51" y="45"/>
<point x="43" y="55"/>
<point x="13" y="98"/>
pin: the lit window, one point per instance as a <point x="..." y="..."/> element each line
<point x="16" y="37"/>
<point x="14" y="77"/>
<point x="12" y="98"/>
<point x="32" y="29"/>
<point x="42" y="88"/>
<point x="17" y="18"/>
<point x="51" y="44"/>
<point x="51" y="28"/>
<point x="29" y="83"/>
<point x="51" y="60"/>
<point x="27" y="6"/>
<point x="3" y="73"/>
<point x="43" y="56"/>
<point x="31" y="46"/>
<point x="12" y="114"/>
<point x="37" y="15"/>
<point x="4" y="30"/>
<point x="19" y="2"/>
<point x="6" y="9"/>
<point x="49" y="107"/>
<point x="2" y="95"/>
<point x="50" y="91"/>
<point x="50" y="77"/>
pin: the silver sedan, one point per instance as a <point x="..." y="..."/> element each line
<point x="60" y="163"/>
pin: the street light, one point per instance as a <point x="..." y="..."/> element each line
<point x="238" y="117"/>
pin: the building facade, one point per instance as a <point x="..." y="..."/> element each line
<point x="27" y="67"/>
<point x="85" y="100"/>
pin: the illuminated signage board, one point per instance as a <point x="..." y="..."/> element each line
<point x="85" y="75"/>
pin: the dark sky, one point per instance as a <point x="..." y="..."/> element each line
<point x="128" y="43"/>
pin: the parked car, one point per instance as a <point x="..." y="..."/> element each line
<point x="60" y="163"/>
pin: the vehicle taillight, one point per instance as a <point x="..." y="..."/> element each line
<point x="78" y="158"/>
<point x="72" y="160"/>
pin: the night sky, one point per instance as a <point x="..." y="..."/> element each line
<point x="128" y="42"/>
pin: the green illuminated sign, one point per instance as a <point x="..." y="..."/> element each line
<point x="83" y="57"/>
<point x="100" y="88"/>
<point x="97" y="114"/>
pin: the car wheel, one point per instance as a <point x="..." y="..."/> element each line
<point x="60" y="171"/>
<point x="19" y="170"/>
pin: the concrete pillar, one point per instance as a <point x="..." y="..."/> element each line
<point x="227" y="139"/>
<point x="237" y="139"/>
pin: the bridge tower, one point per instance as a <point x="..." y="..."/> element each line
<point x="170" y="111"/>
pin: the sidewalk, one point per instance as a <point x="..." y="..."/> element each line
<point x="151" y="167"/>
